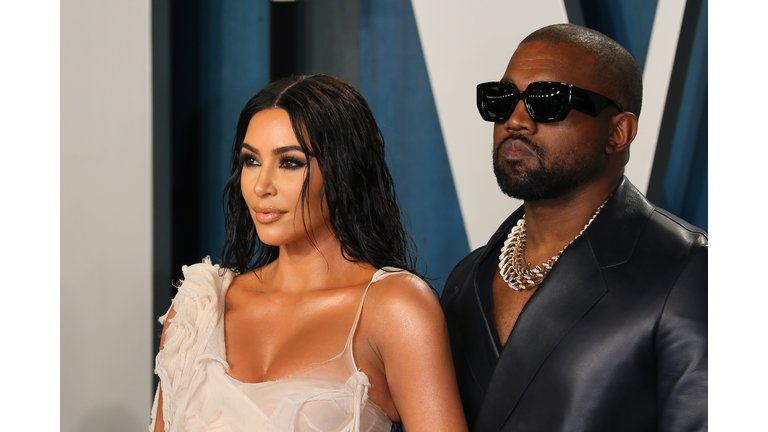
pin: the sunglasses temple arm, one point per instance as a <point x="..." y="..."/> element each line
<point x="587" y="103"/>
<point x="592" y="103"/>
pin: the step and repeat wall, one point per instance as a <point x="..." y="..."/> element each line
<point x="151" y="91"/>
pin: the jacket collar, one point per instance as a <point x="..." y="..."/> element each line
<point x="614" y="232"/>
<point x="503" y="231"/>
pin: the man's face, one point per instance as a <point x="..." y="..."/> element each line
<point x="534" y="161"/>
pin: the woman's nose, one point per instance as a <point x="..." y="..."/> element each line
<point x="265" y="185"/>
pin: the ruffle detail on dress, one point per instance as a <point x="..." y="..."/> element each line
<point x="190" y="350"/>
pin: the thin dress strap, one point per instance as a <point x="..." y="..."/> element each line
<point x="379" y="275"/>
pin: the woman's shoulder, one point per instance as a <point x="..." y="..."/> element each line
<point x="402" y="317"/>
<point x="397" y="293"/>
<point x="201" y="284"/>
<point x="205" y="278"/>
<point x="401" y="281"/>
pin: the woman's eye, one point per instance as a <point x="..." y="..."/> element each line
<point x="250" y="161"/>
<point x="291" y="163"/>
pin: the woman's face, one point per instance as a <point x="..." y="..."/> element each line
<point x="274" y="168"/>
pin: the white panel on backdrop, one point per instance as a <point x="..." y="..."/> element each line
<point x="465" y="43"/>
<point x="106" y="216"/>
<point x="656" y="77"/>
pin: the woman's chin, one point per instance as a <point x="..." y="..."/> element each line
<point x="280" y="239"/>
<point x="271" y="241"/>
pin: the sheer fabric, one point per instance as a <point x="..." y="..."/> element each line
<point x="199" y="395"/>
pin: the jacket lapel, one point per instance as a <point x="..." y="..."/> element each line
<point x="482" y="353"/>
<point x="477" y="340"/>
<point x="551" y="312"/>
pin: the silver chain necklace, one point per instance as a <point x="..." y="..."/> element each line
<point x="512" y="266"/>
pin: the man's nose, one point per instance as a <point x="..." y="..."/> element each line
<point x="520" y="119"/>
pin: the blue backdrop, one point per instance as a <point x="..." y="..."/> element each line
<point x="394" y="81"/>
<point x="220" y="56"/>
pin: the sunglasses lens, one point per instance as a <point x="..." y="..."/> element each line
<point x="495" y="100"/>
<point x="548" y="102"/>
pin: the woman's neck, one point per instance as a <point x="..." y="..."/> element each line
<point x="313" y="265"/>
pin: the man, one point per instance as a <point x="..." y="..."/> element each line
<point x="587" y="309"/>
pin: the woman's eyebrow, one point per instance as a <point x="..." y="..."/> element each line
<point x="277" y="151"/>
<point x="251" y="148"/>
<point x="286" y="149"/>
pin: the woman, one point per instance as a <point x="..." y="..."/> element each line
<point x="312" y="326"/>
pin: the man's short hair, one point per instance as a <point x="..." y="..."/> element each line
<point x="616" y="69"/>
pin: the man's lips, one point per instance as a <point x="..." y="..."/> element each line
<point x="267" y="214"/>
<point x="512" y="149"/>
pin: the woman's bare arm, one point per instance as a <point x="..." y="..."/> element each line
<point x="413" y="343"/>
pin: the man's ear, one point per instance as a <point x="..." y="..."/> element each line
<point x="622" y="133"/>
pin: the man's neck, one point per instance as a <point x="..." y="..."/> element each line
<point x="551" y="225"/>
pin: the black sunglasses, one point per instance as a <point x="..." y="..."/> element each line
<point x="545" y="101"/>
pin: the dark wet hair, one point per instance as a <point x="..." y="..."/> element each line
<point x="333" y="124"/>
<point x="616" y="70"/>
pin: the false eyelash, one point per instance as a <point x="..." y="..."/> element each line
<point x="245" y="157"/>
<point x="296" y="162"/>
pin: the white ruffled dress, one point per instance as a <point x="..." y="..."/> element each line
<point x="199" y="395"/>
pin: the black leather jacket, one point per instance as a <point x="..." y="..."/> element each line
<point x="614" y="339"/>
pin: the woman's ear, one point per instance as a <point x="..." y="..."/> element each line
<point x="622" y="132"/>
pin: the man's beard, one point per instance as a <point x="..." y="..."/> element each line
<point x="541" y="182"/>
